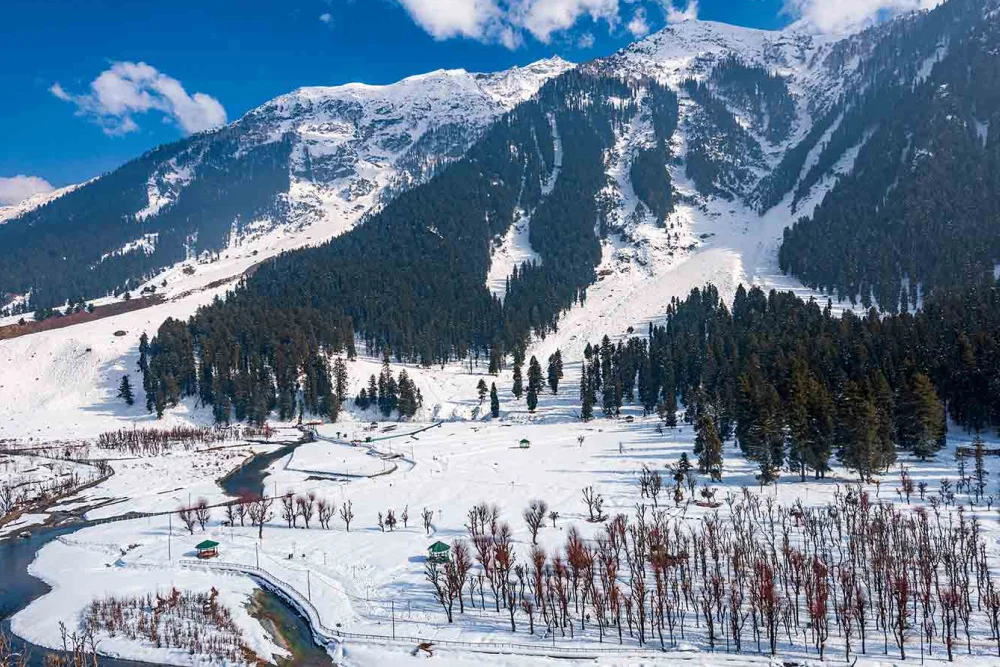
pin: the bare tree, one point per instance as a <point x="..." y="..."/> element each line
<point x="304" y="506"/>
<point x="444" y="593"/>
<point x="6" y="499"/>
<point x="187" y="518"/>
<point x="405" y="515"/>
<point x="534" y="516"/>
<point x="202" y="513"/>
<point x="288" y="511"/>
<point x="390" y="520"/>
<point x="347" y="514"/>
<point x="553" y="515"/>
<point x="325" y="511"/>
<point x="260" y="513"/>
<point x="427" y="515"/>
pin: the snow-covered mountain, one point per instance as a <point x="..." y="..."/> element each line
<point x="297" y="170"/>
<point x="768" y="121"/>
<point x="356" y="145"/>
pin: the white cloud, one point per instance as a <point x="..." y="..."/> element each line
<point x="638" y="26"/>
<point x="506" y="21"/>
<point x="326" y="18"/>
<point x="849" y="15"/>
<point x="585" y="41"/>
<point x="542" y="18"/>
<point x="127" y="89"/>
<point x="689" y="13"/>
<point x="17" y="188"/>
<point x="455" y="18"/>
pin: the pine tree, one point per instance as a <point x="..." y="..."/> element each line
<point x="407" y="402"/>
<point x="555" y="371"/>
<point x="125" y="390"/>
<point x="373" y="396"/>
<point x="340" y="378"/>
<point x="586" y="394"/>
<point x="494" y="401"/>
<point x="920" y="422"/>
<point x="518" y="388"/>
<point x="708" y="447"/>
<point x="482" y="390"/>
<point x="494" y="360"/>
<point x="534" y="383"/>
<point x="143" y="353"/>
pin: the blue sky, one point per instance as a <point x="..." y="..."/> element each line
<point x="212" y="60"/>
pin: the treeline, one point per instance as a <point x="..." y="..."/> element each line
<point x="795" y="385"/>
<point x="856" y="575"/>
<point x="154" y="441"/>
<point x="248" y="358"/>
<point x="389" y="394"/>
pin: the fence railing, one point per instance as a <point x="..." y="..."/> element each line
<point x="327" y="636"/>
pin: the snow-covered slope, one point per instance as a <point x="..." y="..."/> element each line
<point x="356" y="145"/>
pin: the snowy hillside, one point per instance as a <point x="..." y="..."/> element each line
<point x="312" y="163"/>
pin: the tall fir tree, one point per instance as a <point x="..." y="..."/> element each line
<point x="555" y="371"/>
<point x="708" y="447"/>
<point x="125" y="390"/>
<point x="518" y="387"/>
<point x="494" y="401"/>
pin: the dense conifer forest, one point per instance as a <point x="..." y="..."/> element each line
<point x="796" y="385"/>
<point x="918" y="211"/>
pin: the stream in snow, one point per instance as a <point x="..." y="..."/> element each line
<point x="18" y="588"/>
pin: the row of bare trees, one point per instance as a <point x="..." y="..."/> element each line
<point x="154" y="441"/>
<point x="765" y="577"/>
<point x="17" y="493"/>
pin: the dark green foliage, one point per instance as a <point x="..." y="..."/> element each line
<point x="125" y="391"/>
<point x="708" y="447"/>
<point x="795" y="385"/>
<point x="918" y="210"/>
<point x="518" y="387"/>
<point x="651" y="181"/>
<point x="535" y="383"/>
<point x="720" y="151"/>
<point x="921" y="418"/>
<point x="555" y="371"/>
<point x="482" y="390"/>
<point x="773" y="187"/>
<point x="494" y="401"/>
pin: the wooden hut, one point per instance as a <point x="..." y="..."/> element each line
<point x="207" y="549"/>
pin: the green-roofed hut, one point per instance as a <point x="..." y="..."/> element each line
<point x="439" y="552"/>
<point x="525" y="443"/>
<point x="207" y="549"/>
